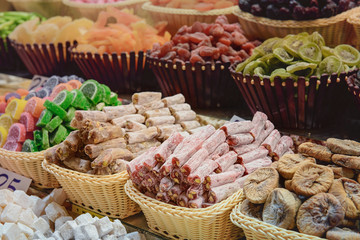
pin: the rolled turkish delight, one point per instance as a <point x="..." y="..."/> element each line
<point x="165" y="131"/>
<point x="219" y="151"/>
<point x="145" y="97"/>
<point x="176" y="99"/>
<point x="141" y="109"/>
<point x="283" y="146"/>
<point x="179" y="107"/>
<point x="225" y="161"/>
<point x="142" y="135"/>
<point x="119" y="111"/>
<point x="214" y="141"/>
<point x="185" y="116"/>
<point x="259" y="121"/>
<point x="118" y="165"/>
<point x="202" y="171"/>
<point x="121" y="121"/>
<point x="76" y="124"/>
<point x="132" y="126"/>
<point x="110" y="155"/>
<point x="237" y="127"/>
<point x="163" y="197"/>
<point x="272" y="140"/>
<point x="51" y="156"/>
<point x="269" y="127"/>
<point x="135" y="164"/>
<point x="215" y="180"/>
<point x="140" y="147"/>
<point x="222" y="192"/>
<point x="78" y="164"/>
<point x="167" y="167"/>
<point x="167" y="147"/>
<point x="188" y="150"/>
<point x="258" y="163"/>
<point x="162" y="120"/>
<point x="90" y="115"/>
<point x="94" y="150"/>
<point x="188" y="125"/>
<point x="237" y="168"/>
<point x="157" y="113"/>
<point x="166" y="184"/>
<point x="194" y="162"/>
<point x="177" y="175"/>
<point x="174" y="192"/>
<point x="182" y="200"/>
<point x="63" y="152"/>
<point x="195" y="191"/>
<point x="196" y="203"/>
<point x="242" y="149"/>
<point x="73" y="141"/>
<point x="240" y="139"/>
<point x="99" y="135"/>
<point x="248" y="157"/>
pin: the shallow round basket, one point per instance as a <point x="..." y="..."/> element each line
<point x="123" y="73"/>
<point x="335" y="30"/>
<point x="28" y="165"/>
<point x="187" y="223"/>
<point x="92" y="10"/>
<point x="104" y="195"/>
<point x="46" y="59"/>
<point x="255" y="229"/>
<point x="9" y="59"/>
<point x="293" y="104"/>
<point x="354" y="20"/>
<point x="353" y="88"/>
<point x="203" y="85"/>
<point x="47" y="8"/>
<point x="177" y="18"/>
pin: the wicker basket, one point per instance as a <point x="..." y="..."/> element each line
<point x="354" y="20"/>
<point x="186" y="223"/>
<point x="353" y="88"/>
<point x="47" y="8"/>
<point x="92" y="10"/>
<point x="123" y="73"/>
<point x="335" y="30"/>
<point x="9" y="59"/>
<point x="255" y="229"/>
<point x="28" y="165"/>
<point x="177" y="18"/>
<point x="294" y="104"/>
<point x="5" y="6"/>
<point x="104" y="195"/>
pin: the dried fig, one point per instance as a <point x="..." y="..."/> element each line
<point x="342" y="234"/>
<point x="349" y="223"/>
<point x="347" y="147"/>
<point x="340" y="172"/>
<point x="319" y="214"/>
<point x="310" y="179"/>
<point x="314" y="150"/>
<point x="275" y="164"/>
<point x="346" y="161"/>
<point x="289" y="163"/>
<point x="252" y="210"/>
<point x="260" y="183"/>
<point x="288" y="186"/>
<point x="280" y="208"/>
<point x="347" y="191"/>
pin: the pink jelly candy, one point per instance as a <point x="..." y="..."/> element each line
<point x="3" y="107"/>
<point x="12" y="146"/>
<point x="17" y="133"/>
<point x="28" y="120"/>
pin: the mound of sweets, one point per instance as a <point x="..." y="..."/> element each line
<point x="53" y="30"/>
<point x="129" y="33"/>
<point x="204" y="42"/>
<point x="210" y="165"/>
<point x="25" y="217"/>
<point x="98" y="1"/>
<point x="200" y="5"/>
<point x="314" y="189"/>
<point x="108" y="139"/>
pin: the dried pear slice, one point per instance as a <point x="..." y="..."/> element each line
<point x="260" y="72"/>
<point x="316" y="151"/>
<point x="327" y="51"/>
<point x="347" y="54"/>
<point x="302" y="68"/>
<point x="280" y="208"/>
<point x="283" y="55"/>
<point x="319" y="214"/>
<point x="252" y="210"/>
<point x="330" y="65"/>
<point x="260" y="183"/>
<point x="280" y="72"/>
<point x="249" y="69"/>
<point x="289" y="163"/>
<point x="347" y="191"/>
<point x="343" y="234"/>
<point x="346" y="161"/>
<point x="311" y="53"/>
<point x="310" y="179"/>
<point x="267" y="46"/>
<point x="316" y="38"/>
<point x="240" y="67"/>
<point x="292" y="44"/>
<point x="343" y="146"/>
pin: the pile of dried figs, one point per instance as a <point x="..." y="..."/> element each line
<point x="313" y="192"/>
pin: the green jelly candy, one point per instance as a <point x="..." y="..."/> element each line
<point x="59" y="135"/>
<point x="70" y="114"/>
<point x="92" y="90"/>
<point x="29" y="146"/>
<point x="107" y="93"/>
<point x="79" y="100"/>
<point x="45" y="118"/>
<point x="45" y="139"/>
<point x="64" y="99"/>
<point x="53" y="124"/>
<point x="68" y="127"/>
<point x="38" y="138"/>
<point x="113" y="98"/>
<point x="118" y="103"/>
<point x="100" y="106"/>
<point x="55" y="109"/>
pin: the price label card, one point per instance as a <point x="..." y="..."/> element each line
<point x="13" y="181"/>
<point x="236" y="119"/>
<point x="37" y="81"/>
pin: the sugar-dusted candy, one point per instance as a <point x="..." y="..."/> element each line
<point x="53" y="124"/>
<point x="106" y="93"/>
<point x="75" y="84"/>
<point x="28" y="120"/>
<point x="64" y="99"/>
<point x="3" y="135"/>
<point x="45" y="118"/>
<point x="59" y="135"/>
<point x="52" y="82"/>
<point x="113" y="98"/>
<point x="35" y="106"/>
<point x="17" y="133"/>
<point x="54" y="211"/>
<point x="92" y="91"/>
<point x="30" y="95"/>
<point x="79" y="100"/>
<point x="12" y="146"/>
<point x="10" y="231"/>
<point x="22" y="92"/>
<point x="3" y="107"/>
<point x="59" y="88"/>
<point x="70" y="114"/>
<point x="44" y="92"/>
<point x="55" y="109"/>
<point x="9" y="95"/>
<point x="29" y="146"/>
<point x="45" y="143"/>
<point x="38" y="138"/>
<point x="15" y="108"/>
<point x="6" y="121"/>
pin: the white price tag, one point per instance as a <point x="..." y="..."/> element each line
<point x="37" y="81"/>
<point x="236" y="119"/>
<point x="13" y="181"/>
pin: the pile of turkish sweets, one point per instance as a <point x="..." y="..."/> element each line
<point x="106" y="140"/>
<point x="210" y="165"/>
<point x="207" y="42"/>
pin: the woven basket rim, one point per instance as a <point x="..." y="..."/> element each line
<point x="83" y="177"/>
<point x="73" y="51"/>
<point x="148" y="6"/>
<point x="16" y="43"/>
<point x="96" y="6"/>
<point x="252" y="224"/>
<point x="354" y="18"/>
<point x="31" y="156"/>
<point x="321" y="22"/>
<point x="50" y="1"/>
<point x="172" y="210"/>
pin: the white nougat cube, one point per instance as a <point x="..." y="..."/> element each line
<point x="11" y="213"/>
<point x="58" y="195"/>
<point x="41" y="225"/>
<point x="6" y="197"/>
<point x="39" y="206"/>
<point x="67" y="230"/>
<point x="27" y="217"/>
<point x="1" y="230"/>
<point x="61" y="220"/>
<point x="1" y="210"/>
<point x="10" y="231"/>
<point x="23" y="237"/>
<point x="54" y="211"/>
<point x="90" y="232"/>
<point x="39" y="235"/>
<point x="104" y="226"/>
<point x="84" y="219"/>
<point x="133" y="236"/>
<point x="50" y="238"/>
<point x="56" y="235"/>
<point x="119" y="228"/>
<point x="22" y="199"/>
<point x="78" y="233"/>
<point x="26" y="230"/>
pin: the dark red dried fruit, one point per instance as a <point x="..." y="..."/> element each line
<point x="197" y="37"/>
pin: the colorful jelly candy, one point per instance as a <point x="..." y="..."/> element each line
<point x="30" y="95"/>
<point x="17" y="133"/>
<point x="44" y="92"/>
<point x="79" y="100"/>
<point x="113" y="98"/>
<point x="15" y="108"/>
<point x="2" y="107"/>
<point x="92" y="90"/>
<point x="70" y="114"/>
<point x="29" y="135"/>
<point x="107" y="93"/>
<point x="45" y="139"/>
<point x="38" y="138"/>
<point x="55" y="109"/>
<point x="35" y="106"/>
<point x="59" y="135"/>
<point x="22" y="92"/>
<point x="53" y="124"/>
<point x="75" y="84"/>
<point x="28" y="120"/>
<point x="6" y="121"/>
<point x="12" y="146"/>
<point x="29" y="146"/>
<point x="10" y="95"/>
<point x="52" y="82"/>
<point x="44" y="118"/>
<point x="64" y="99"/>
<point x="59" y="88"/>
<point x="3" y="136"/>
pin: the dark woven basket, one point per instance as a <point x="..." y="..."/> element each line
<point x="353" y="88"/>
<point x="9" y="59"/>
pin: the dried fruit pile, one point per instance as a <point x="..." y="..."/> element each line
<point x="203" y="42"/>
<point x="98" y="1"/>
<point x="200" y="5"/>
<point x="129" y="33"/>
<point x="296" y="9"/>
<point x="312" y="192"/>
<point x="210" y="165"/>
<point x="299" y="55"/>
<point x="107" y="139"/>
